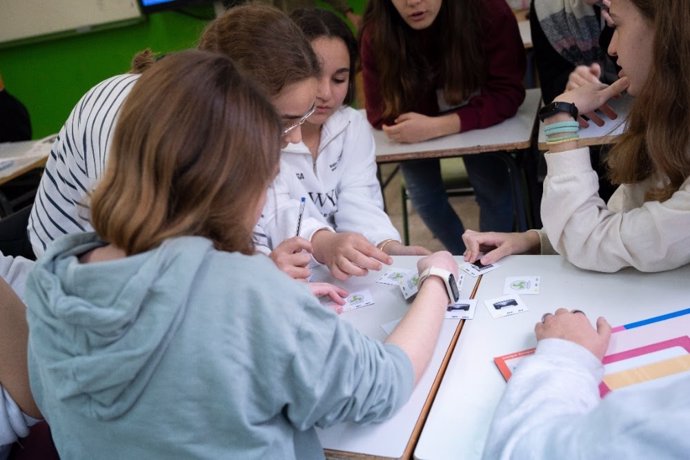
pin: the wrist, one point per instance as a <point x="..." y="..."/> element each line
<point x="445" y="277"/>
<point x="319" y="240"/>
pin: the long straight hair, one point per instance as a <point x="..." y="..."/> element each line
<point x="656" y="142"/>
<point x="195" y="147"/>
<point x="403" y="66"/>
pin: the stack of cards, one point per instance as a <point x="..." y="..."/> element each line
<point x="353" y="301"/>
<point x="404" y="278"/>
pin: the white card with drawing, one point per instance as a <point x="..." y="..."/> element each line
<point x="462" y="309"/>
<point x="476" y="268"/>
<point x="505" y="306"/>
<point x="522" y="285"/>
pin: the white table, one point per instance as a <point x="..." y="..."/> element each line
<point x="459" y="419"/>
<point x="17" y="158"/>
<point x="512" y="134"/>
<point x="598" y="135"/>
<point x="396" y="437"/>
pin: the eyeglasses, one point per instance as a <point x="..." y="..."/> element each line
<point x="301" y="121"/>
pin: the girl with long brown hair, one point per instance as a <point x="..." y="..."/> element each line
<point x="437" y="67"/>
<point x="644" y="225"/>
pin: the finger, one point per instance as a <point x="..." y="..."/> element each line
<point x="497" y="254"/>
<point x="351" y="269"/>
<point x="375" y="253"/>
<point x="583" y="123"/>
<point x="561" y="311"/>
<point x="579" y="311"/>
<point x="595" y="69"/>
<point x="403" y="117"/>
<point x="617" y="87"/>
<point x="295" y="244"/>
<point x="603" y="328"/>
<point x="545" y="316"/>
<point x="539" y="330"/>
<point x="338" y="273"/>
<point x="298" y="273"/>
<point x="337" y="296"/>
<point x="299" y="259"/>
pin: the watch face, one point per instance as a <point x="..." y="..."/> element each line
<point x="453" y="288"/>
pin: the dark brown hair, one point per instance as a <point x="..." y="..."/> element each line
<point x="403" y="66"/>
<point x="656" y="142"/>
<point x="316" y="23"/>
<point x="195" y="147"/>
<point x="265" y="44"/>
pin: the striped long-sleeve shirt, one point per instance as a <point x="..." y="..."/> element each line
<point x="76" y="163"/>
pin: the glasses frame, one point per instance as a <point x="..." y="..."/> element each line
<point x="301" y="121"/>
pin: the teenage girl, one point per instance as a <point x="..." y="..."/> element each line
<point x="162" y="334"/>
<point x="437" y="67"/>
<point x="644" y="224"/>
<point x="334" y="167"/>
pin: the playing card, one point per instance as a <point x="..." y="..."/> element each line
<point x="522" y="285"/>
<point x="476" y="268"/>
<point x="505" y="306"/>
<point x="462" y="309"/>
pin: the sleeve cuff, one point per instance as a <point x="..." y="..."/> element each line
<point x="571" y="355"/>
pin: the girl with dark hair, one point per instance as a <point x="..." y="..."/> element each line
<point x="437" y="67"/>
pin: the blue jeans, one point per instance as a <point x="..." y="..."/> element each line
<point x="489" y="177"/>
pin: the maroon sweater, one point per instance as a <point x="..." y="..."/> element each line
<point x="500" y="95"/>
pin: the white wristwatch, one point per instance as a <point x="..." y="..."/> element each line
<point x="448" y="281"/>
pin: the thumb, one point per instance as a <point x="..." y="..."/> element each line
<point x="595" y="69"/>
<point x="603" y="328"/>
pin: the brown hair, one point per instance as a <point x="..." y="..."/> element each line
<point x="656" y="141"/>
<point x="316" y="23"/>
<point x="265" y="44"/>
<point x="403" y="66"/>
<point x="195" y="147"/>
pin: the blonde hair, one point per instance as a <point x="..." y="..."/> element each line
<point x="195" y="147"/>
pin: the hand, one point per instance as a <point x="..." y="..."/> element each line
<point x="414" y="127"/>
<point x="347" y="254"/>
<point x="574" y="326"/>
<point x="292" y="256"/>
<point x="591" y="96"/>
<point x="335" y="293"/>
<point x="440" y="259"/>
<point x="396" y="248"/>
<point x="581" y="76"/>
<point x="606" y="14"/>
<point x="496" y="246"/>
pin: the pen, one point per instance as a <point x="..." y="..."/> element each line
<point x="299" y="216"/>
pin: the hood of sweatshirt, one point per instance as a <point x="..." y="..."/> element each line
<point x="98" y="330"/>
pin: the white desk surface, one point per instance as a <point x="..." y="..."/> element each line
<point x="598" y="135"/>
<point x="391" y="438"/>
<point x="17" y="158"/>
<point x="459" y="419"/>
<point x="512" y="134"/>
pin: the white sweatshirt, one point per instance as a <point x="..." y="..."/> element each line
<point x="650" y="236"/>
<point x="341" y="188"/>
<point x="551" y="409"/>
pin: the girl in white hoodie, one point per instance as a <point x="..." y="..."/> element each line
<point x="334" y="169"/>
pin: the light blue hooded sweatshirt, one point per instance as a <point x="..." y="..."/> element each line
<point x="189" y="352"/>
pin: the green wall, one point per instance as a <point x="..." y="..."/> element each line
<point x="49" y="77"/>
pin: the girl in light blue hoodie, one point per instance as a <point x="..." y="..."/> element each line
<point x="163" y="334"/>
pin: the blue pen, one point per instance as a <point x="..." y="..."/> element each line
<point x="302" y="202"/>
